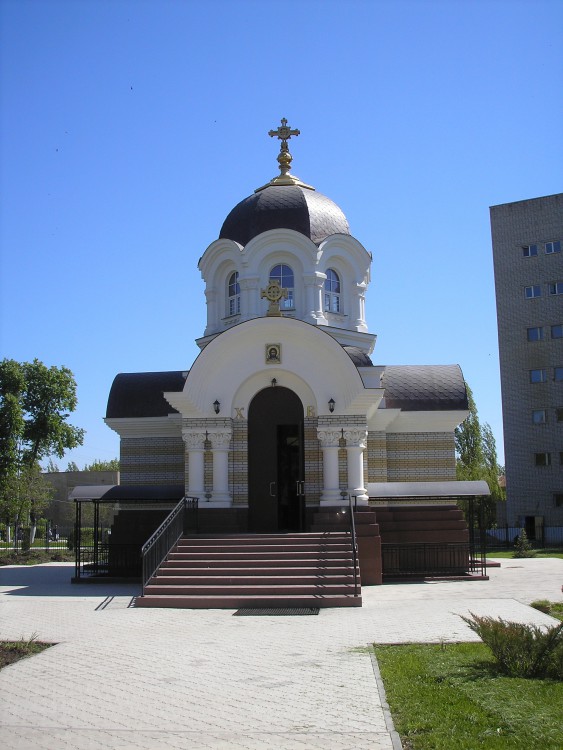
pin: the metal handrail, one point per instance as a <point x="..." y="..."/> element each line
<point x="354" y="544"/>
<point x="158" y="546"/>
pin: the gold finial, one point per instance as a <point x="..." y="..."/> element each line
<point x="284" y="133"/>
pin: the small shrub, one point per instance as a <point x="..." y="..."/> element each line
<point x="522" y="547"/>
<point x="542" y="605"/>
<point x="521" y="650"/>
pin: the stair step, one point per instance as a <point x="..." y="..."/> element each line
<point x="285" y="548"/>
<point x="248" y="600"/>
<point x="289" y="562"/>
<point x="169" y="571"/>
<point x="266" y="570"/>
<point x="272" y="582"/>
<point x="319" y="589"/>
<point x="252" y="555"/>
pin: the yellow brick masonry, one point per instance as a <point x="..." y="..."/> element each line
<point x="152" y="460"/>
<point x="420" y="457"/>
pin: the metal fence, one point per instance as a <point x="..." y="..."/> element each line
<point x="504" y="537"/>
<point x="48" y="536"/>
<point x="430" y="560"/>
<point x="103" y="548"/>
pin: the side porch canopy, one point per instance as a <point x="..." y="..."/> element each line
<point x="427" y="490"/>
<point x="128" y="493"/>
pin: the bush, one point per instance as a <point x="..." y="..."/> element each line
<point x="522" y="547"/>
<point x="542" y="605"/>
<point x="521" y="650"/>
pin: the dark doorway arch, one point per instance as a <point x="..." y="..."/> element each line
<point x="276" y="499"/>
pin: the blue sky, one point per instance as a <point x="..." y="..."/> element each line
<point x="130" y="128"/>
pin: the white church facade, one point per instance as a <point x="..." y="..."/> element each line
<point x="284" y="413"/>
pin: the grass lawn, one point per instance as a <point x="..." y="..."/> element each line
<point x="12" y="651"/>
<point x="546" y="552"/>
<point x="451" y="697"/>
<point x="35" y="557"/>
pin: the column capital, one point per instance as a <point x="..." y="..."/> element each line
<point x="220" y="439"/>
<point x="356" y="437"/>
<point x="194" y="440"/>
<point x="329" y="438"/>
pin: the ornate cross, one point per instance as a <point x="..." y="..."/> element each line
<point x="284" y="133"/>
<point x="273" y="293"/>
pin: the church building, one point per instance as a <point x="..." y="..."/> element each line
<point x="284" y="414"/>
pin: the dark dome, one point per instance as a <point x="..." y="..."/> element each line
<point x="284" y="207"/>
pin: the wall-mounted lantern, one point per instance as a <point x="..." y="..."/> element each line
<point x="216" y="406"/>
<point x="331" y="405"/>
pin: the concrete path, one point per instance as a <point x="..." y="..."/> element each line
<point x="147" y="679"/>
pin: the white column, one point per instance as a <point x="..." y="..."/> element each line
<point x="220" y="442"/>
<point x="356" y="440"/>
<point x="212" y="311"/>
<point x="195" y="446"/>
<point x="360" y="322"/>
<point x="329" y="446"/>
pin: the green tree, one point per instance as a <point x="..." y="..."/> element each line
<point x="100" y="465"/>
<point x="35" y="403"/>
<point x="477" y="457"/>
<point x="52" y="466"/>
<point x="72" y="466"/>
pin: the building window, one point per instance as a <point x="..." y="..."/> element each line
<point x="557" y="331"/>
<point x="532" y="291"/>
<point x="552" y="247"/>
<point x="538" y="376"/>
<point x="234" y="294"/>
<point x="558" y="499"/>
<point x="284" y="275"/>
<point x="542" y="459"/>
<point x="559" y="415"/>
<point x="535" y="334"/>
<point x="539" y="416"/>
<point x="528" y="251"/>
<point x="332" y="291"/>
<point x="556" y="288"/>
<point x="558" y="373"/>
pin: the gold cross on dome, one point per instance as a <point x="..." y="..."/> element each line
<point x="284" y="132"/>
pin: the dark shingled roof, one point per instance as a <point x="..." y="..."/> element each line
<point x="139" y="394"/>
<point x="424" y="387"/>
<point x="284" y="207"/>
<point x="358" y="357"/>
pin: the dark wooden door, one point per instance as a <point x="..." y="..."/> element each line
<point x="275" y="461"/>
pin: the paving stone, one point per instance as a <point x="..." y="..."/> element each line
<point x="150" y="679"/>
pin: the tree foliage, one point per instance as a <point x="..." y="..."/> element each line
<point x="35" y="403"/>
<point x="477" y="456"/>
<point x="101" y="465"/>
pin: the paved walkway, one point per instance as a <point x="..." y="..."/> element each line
<point x="121" y="678"/>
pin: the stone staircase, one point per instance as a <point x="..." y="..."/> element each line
<point x="256" y="571"/>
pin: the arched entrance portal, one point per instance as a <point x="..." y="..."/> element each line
<point x="276" y="497"/>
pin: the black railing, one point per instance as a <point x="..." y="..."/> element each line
<point x="354" y="543"/>
<point x="157" y="547"/>
<point x="400" y="560"/>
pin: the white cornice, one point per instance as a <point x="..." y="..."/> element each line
<point x="170" y="426"/>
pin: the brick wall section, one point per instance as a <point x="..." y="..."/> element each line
<point x="376" y="457"/>
<point x="238" y="462"/>
<point x="530" y="488"/>
<point x="152" y="460"/>
<point x="420" y="457"/>
<point x="313" y="462"/>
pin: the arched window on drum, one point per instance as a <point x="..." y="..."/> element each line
<point x="284" y="275"/>
<point x="332" y="301"/>
<point x="233" y="294"/>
